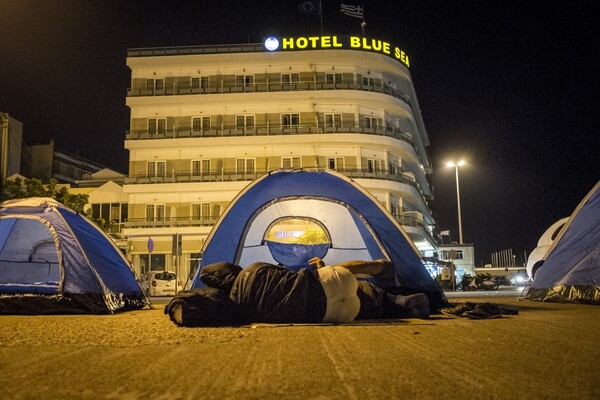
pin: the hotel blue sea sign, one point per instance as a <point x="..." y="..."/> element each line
<point x="347" y="42"/>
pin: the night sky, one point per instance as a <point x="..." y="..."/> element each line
<point x="510" y="86"/>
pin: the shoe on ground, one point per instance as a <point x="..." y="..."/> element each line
<point x="484" y="311"/>
<point x="507" y="310"/>
<point x="458" y="310"/>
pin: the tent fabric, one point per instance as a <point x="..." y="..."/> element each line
<point x="295" y="256"/>
<point x="358" y="226"/>
<point x="571" y="268"/>
<point x="53" y="260"/>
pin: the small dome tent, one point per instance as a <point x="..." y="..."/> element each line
<point x="356" y="225"/>
<point x="570" y="271"/>
<point x="53" y="260"/>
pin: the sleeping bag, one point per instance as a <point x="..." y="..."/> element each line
<point x="269" y="293"/>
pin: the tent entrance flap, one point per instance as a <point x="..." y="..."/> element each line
<point x="345" y="232"/>
<point x="28" y="258"/>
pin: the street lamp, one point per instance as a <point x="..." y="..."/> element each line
<point x="456" y="165"/>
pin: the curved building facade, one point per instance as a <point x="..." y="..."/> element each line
<point x="207" y="120"/>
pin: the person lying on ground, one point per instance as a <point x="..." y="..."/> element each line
<point x="270" y="293"/>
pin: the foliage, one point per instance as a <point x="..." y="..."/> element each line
<point x="33" y="187"/>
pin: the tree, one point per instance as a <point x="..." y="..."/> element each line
<point x="12" y="189"/>
<point x="33" y="187"/>
<point x="76" y="202"/>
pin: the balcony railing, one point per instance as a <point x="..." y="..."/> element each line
<point x="169" y="222"/>
<point x="415" y="223"/>
<point x="267" y="130"/>
<point x="141" y="223"/>
<point x="177" y="90"/>
<point x="234" y="176"/>
<point x="197" y="49"/>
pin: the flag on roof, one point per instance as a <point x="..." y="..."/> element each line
<point x="352" y="11"/>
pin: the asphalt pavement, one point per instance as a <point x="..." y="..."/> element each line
<point x="547" y="351"/>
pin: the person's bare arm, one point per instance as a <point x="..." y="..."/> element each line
<point x="373" y="267"/>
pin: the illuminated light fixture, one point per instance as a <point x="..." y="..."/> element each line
<point x="455" y="165"/>
<point x="271" y="43"/>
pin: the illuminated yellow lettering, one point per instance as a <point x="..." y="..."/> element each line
<point x="354" y="41"/>
<point x="326" y="41"/>
<point x="400" y="55"/>
<point x="365" y="45"/>
<point x="287" y="43"/>
<point x="301" y="42"/>
<point x="336" y="43"/>
<point x="313" y="41"/>
<point x="386" y="48"/>
<point x="377" y="45"/>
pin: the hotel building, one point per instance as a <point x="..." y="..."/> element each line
<point x="207" y="120"/>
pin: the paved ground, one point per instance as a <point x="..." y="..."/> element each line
<point x="548" y="351"/>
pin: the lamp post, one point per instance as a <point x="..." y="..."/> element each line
<point x="456" y="165"/>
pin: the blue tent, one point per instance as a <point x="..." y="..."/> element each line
<point x="53" y="260"/>
<point x="357" y="225"/>
<point x="570" y="271"/>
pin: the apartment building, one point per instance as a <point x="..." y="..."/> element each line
<point x="207" y="120"/>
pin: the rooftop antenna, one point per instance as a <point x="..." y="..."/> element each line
<point x="321" y="15"/>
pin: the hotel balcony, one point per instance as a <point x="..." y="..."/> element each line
<point x="264" y="87"/>
<point x="234" y="176"/>
<point x="304" y="129"/>
<point x="410" y="224"/>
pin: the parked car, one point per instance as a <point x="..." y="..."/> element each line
<point x="161" y="283"/>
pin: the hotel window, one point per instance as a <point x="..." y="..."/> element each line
<point x="244" y="121"/>
<point x="200" y="124"/>
<point x="452" y="254"/>
<point x="200" y="83"/>
<point x="335" y="163"/>
<point x="290" y="120"/>
<point x="393" y="168"/>
<point x="117" y="212"/>
<point x="157" y="168"/>
<point x="200" y="167"/>
<point x="155" y="212"/>
<point x="373" y="165"/>
<point x="394" y="210"/>
<point x="244" y="80"/>
<point x="157" y="126"/>
<point x="245" y="165"/>
<point x="289" y="79"/>
<point x="155" y="84"/>
<point x="368" y="81"/>
<point x="291" y="162"/>
<point x="333" y="120"/>
<point x="201" y="211"/>
<point x="370" y="122"/>
<point x="331" y="79"/>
